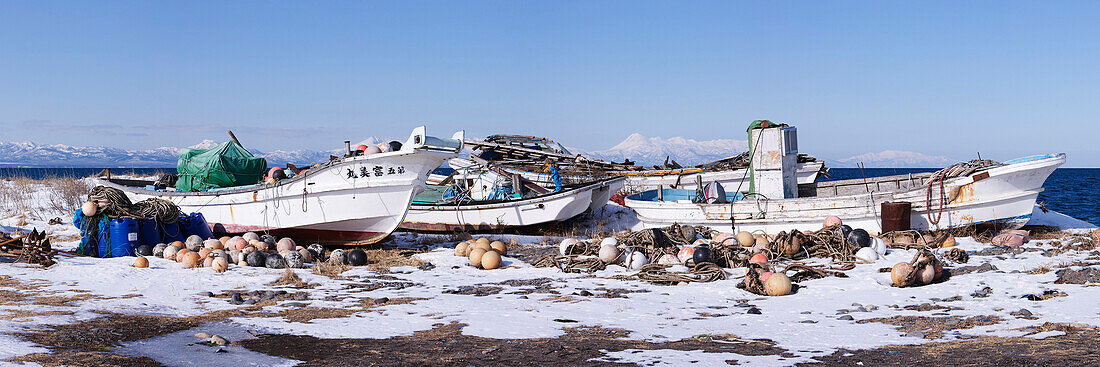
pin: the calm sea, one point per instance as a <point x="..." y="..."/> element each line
<point x="1068" y="190"/>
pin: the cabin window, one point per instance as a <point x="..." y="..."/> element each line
<point x="790" y="141"/>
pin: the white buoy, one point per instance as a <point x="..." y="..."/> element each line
<point x="879" y="245"/>
<point x="567" y="245"/>
<point x="612" y="241"/>
<point x="637" y="260"/>
<point x="609" y="254"/>
<point x="867" y="255"/>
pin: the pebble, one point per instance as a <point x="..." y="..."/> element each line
<point x="842" y="311"/>
<point x="382" y="300"/>
<point x="915" y="334"/>
<point x="235" y="298"/>
<point x="753" y="311"/>
<point x="250" y="302"/>
<point x="856" y="305"/>
<point x="218" y="340"/>
<point x="1023" y="312"/>
<point x="584" y="293"/>
<point x="744" y="305"/>
<point x="846" y="318"/>
<point x="206" y="294"/>
<point x="806" y="312"/>
<point x="203" y="335"/>
<point x="861" y="309"/>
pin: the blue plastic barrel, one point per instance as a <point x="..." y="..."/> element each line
<point x="196" y="224"/>
<point x="148" y="232"/>
<point x="170" y="232"/>
<point x="124" y="238"/>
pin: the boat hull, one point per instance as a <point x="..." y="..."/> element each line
<point x="1003" y="195"/>
<point x="519" y="213"/>
<point x="358" y="200"/>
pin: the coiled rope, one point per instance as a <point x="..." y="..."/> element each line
<point x="115" y="204"/>
<point x="952" y="171"/>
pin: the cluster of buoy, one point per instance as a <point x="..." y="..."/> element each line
<point x="482" y="252"/>
<point x="364" y="149"/>
<point x="276" y="174"/>
<point x="249" y="249"/>
<point x="924" y="269"/>
<point x="775" y="283"/>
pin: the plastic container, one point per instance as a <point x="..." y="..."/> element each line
<point x="170" y="232"/>
<point x="148" y="232"/>
<point x="123" y="239"/>
<point x="195" y="224"/>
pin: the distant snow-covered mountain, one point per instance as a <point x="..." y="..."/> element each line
<point x="893" y="158"/>
<point x="28" y="154"/>
<point x="652" y="151"/>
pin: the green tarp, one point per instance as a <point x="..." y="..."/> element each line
<point x="225" y="165"/>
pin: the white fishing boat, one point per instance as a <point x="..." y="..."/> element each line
<point x="428" y="213"/>
<point x="965" y="194"/>
<point x="357" y="199"/>
<point x="475" y="195"/>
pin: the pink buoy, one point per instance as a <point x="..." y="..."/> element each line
<point x="833" y="221"/>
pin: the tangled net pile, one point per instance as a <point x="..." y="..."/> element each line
<point x="828" y="242"/>
<point x="654" y="243"/>
<point x="659" y="274"/>
<point x="115" y="204"/>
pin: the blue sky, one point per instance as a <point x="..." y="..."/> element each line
<point x="942" y="78"/>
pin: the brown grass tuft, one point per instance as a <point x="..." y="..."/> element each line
<point x="290" y="278"/>
<point x="381" y="260"/>
<point x="330" y="269"/>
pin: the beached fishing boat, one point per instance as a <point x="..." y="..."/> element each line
<point x="473" y="194"/>
<point x="527" y="155"/>
<point x="969" y="193"/>
<point x="430" y="213"/>
<point x="355" y="199"/>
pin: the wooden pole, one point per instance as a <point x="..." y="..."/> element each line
<point x="234" y="137"/>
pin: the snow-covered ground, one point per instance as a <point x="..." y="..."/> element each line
<point x="823" y="316"/>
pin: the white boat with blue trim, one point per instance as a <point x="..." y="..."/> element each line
<point x="976" y="192"/>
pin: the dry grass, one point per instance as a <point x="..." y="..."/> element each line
<point x="369" y="303"/>
<point x="1040" y="270"/>
<point x="307" y="314"/>
<point x="64" y="301"/>
<point x="63" y="195"/>
<point x="381" y="260"/>
<point x="19" y="315"/>
<point x="330" y="269"/>
<point x="934" y="327"/>
<point x="290" y="278"/>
